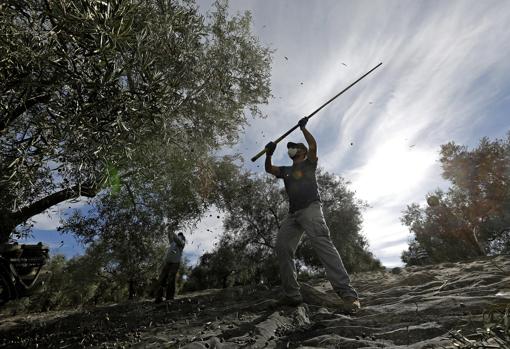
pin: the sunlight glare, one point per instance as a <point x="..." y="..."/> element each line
<point x="395" y="168"/>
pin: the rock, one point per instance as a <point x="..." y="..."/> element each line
<point x="396" y="271"/>
<point x="315" y="297"/>
<point x="418" y="278"/>
<point x="412" y="308"/>
<point x="412" y="334"/>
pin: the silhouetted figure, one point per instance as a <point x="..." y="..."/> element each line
<point x="168" y="276"/>
<point x="305" y="214"/>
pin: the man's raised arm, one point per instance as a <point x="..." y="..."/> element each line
<point x="270" y="147"/>
<point x="312" y="144"/>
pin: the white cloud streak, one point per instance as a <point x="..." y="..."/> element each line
<point x="445" y="64"/>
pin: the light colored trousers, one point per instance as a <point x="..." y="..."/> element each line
<point x="310" y="220"/>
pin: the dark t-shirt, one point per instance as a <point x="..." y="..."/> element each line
<point x="300" y="184"/>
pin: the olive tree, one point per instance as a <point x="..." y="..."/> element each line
<point x="471" y="218"/>
<point x="100" y="92"/>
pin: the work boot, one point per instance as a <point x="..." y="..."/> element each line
<point x="351" y="304"/>
<point x="159" y="296"/>
<point x="290" y="301"/>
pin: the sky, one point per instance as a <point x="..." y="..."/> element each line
<point x="445" y="77"/>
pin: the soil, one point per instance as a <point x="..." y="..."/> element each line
<point x="436" y="306"/>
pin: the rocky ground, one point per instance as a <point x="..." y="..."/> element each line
<point x="453" y="305"/>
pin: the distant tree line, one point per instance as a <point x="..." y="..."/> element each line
<point x="470" y="219"/>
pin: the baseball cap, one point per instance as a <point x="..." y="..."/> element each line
<point x="297" y="145"/>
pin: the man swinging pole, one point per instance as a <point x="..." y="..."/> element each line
<point x="305" y="214"/>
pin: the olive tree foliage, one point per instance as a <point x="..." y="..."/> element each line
<point x="127" y="228"/>
<point x="471" y="218"/>
<point x="70" y="283"/>
<point x="126" y="238"/>
<point x="90" y="279"/>
<point x="255" y="207"/>
<point x="95" y="92"/>
<point x="344" y="216"/>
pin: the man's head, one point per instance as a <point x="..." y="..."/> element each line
<point x="297" y="151"/>
<point x="181" y="235"/>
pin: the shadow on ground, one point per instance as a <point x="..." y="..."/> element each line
<point x="438" y="306"/>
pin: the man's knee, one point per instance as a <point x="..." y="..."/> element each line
<point x="323" y="244"/>
<point x="282" y="247"/>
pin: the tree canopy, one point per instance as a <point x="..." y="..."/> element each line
<point x="96" y="93"/>
<point x="472" y="218"/>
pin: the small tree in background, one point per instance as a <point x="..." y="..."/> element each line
<point x="472" y="218"/>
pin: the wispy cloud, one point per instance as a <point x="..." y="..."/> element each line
<point x="445" y="65"/>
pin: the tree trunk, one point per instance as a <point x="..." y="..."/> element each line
<point x="131" y="289"/>
<point x="10" y="220"/>
<point x="22" y="108"/>
<point x="7" y="226"/>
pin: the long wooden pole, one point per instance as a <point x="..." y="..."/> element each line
<point x="263" y="151"/>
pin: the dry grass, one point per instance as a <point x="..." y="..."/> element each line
<point x="495" y="334"/>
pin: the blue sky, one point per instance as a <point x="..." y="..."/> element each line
<point x="445" y="77"/>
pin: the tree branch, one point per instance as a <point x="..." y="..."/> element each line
<point x="16" y="112"/>
<point x="42" y="205"/>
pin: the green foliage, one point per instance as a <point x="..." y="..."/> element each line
<point x="91" y="86"/>
<point x="127" y="97"/>
<point x="93" y="279"/>
<point x="472" y="218"/>
<point x="126" y="234"/>
<point x="76" y="282"/>
<point x="233" y="263"/>
<point x="255" y="208"/>
<point x="343" y="214"/>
